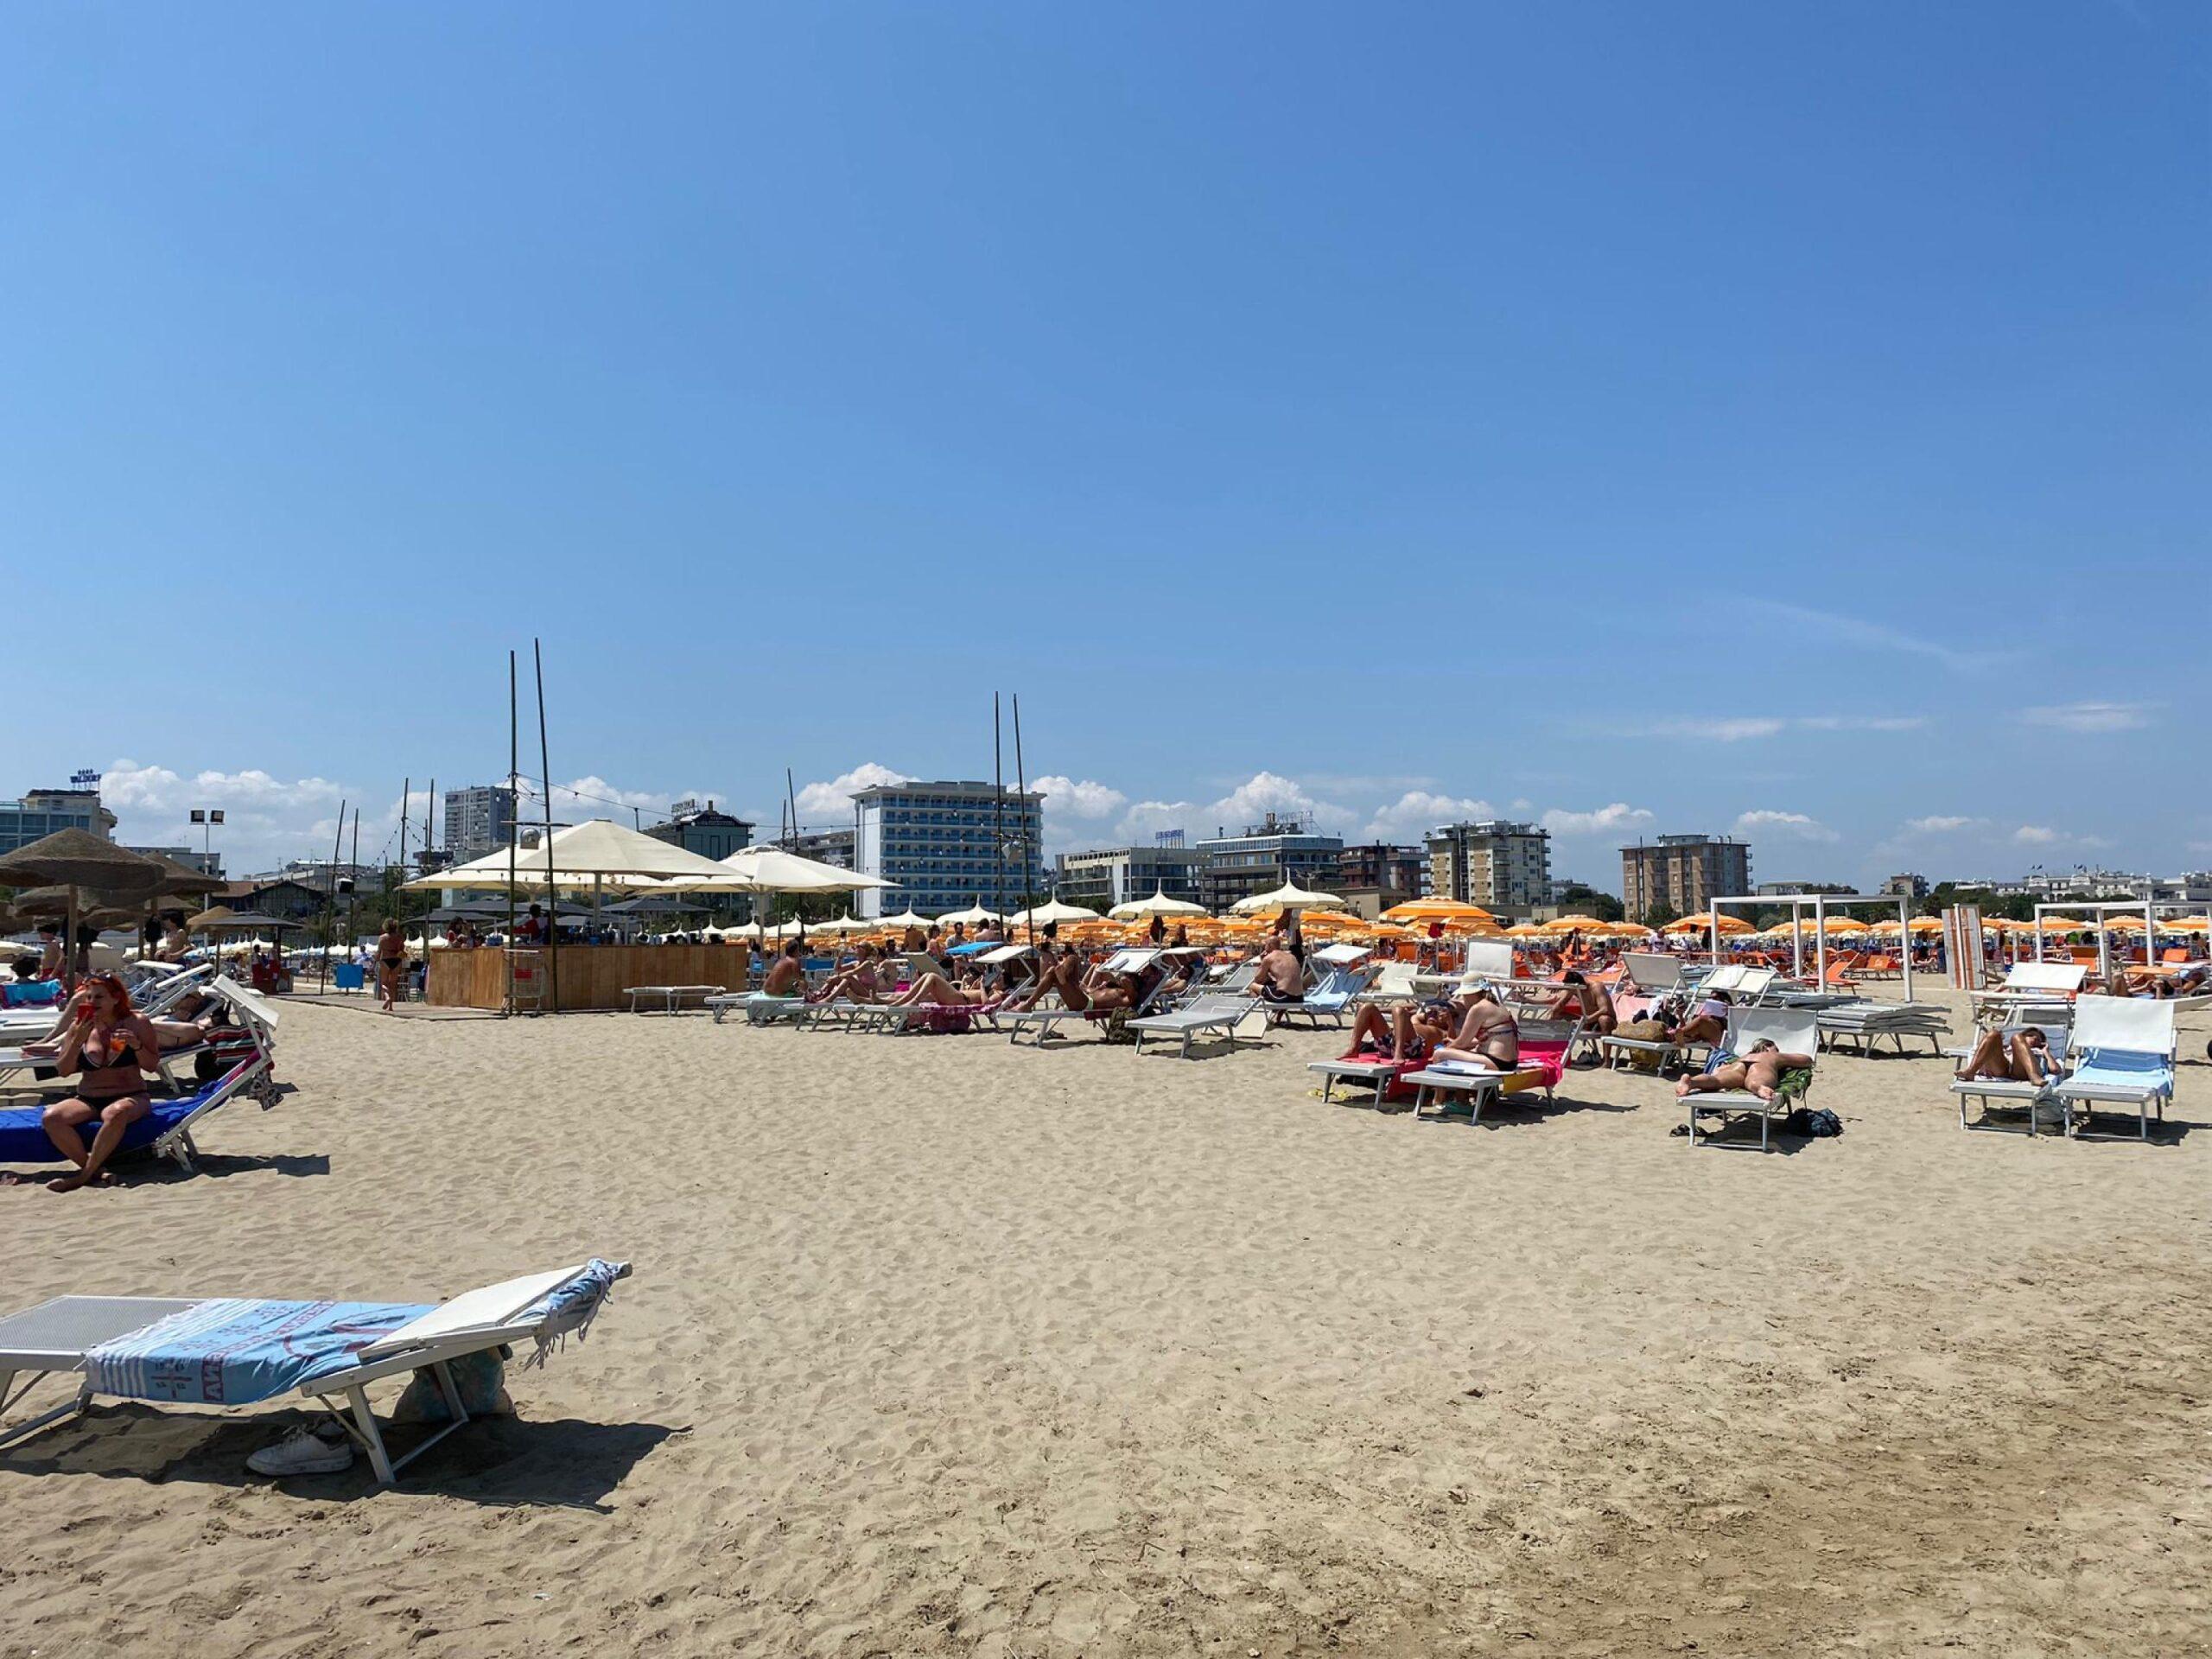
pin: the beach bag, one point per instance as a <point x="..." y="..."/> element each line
<point x="1814" y="1122"/>
<point x="1117" y="1027"/>
<point x="480" y="1380"/>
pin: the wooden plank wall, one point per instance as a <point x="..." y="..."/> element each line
<point x="592" y="975"/>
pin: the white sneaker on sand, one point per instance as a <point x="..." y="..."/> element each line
<point x="302" y="1452"/>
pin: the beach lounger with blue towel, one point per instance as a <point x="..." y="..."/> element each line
<point x="237" y="1351"/>
<point x="167" y="1129"/>
<point x="2123" y="1056"/>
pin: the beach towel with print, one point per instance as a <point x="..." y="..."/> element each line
<point x="231" y="1352"/>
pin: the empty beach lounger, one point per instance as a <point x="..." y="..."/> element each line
<point x="1379" y="1075"/>
<point x="1221" y="1011"/>
<point x="1794" y="1030"/>
<point x="234" y="1352"/>
<point x="2123" y="1056"/>
<point x="2033" y="1098"/>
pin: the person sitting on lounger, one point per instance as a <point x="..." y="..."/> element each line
<point x="108" y="1045"/>
<point x="1579" y="999"/>
<point x="1484" y="1032"/>
<point x="858" y="983"/>
<point x="1709" y="1024"/>
<point x="1058" y="971"/>
<point x="1281" y="977"/>
<point x="1759" y="1072"/>
<point x="787" y="974"/>
<point x="2022" y="1057"/>
<point x="1107" y="992"/>
<point x="1401" y="1034"/>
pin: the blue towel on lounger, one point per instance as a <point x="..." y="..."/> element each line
<point x="226" y="1351"/>
<point x="22" y="1138"/>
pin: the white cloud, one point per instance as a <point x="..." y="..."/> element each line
<point x="1084" y="799"/>
<point x="1716" y="731"/>
<point x="2090" y="716"/>
<point x="1808" y="623"/>
<point x="1741" y="727"/>
<point x="2037" y="835"/>
<point x="1940" y="824"/>
<point x="1417" y="810"/>
<point x="1862" y="722"/>
<point x="1267" y="792"/>
<point x="1146" y="818"/>
<point x="831" y="802"/>
<point x="1606" y="820"/>
<point x="1798" y="825"/>
<point x="127" y="787"/>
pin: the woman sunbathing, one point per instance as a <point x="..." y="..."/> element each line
<point x="1059" y="971"/>
<point x="1759" y="1072"/>
<point x="935" y="991"/>
<point x="2024" y="1057"/>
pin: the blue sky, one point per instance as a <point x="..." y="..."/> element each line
<point x="1779" y="419"/>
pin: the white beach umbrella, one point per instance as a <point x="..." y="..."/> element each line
<point x="1289" y="896"/>
<point x="974" y="916"/>
<point x="1046" y="915"/>
<point x="770" y="869"/>
<point x="843" y="925"/>
<point x="905" y="918"/>
<point x="597" y="853"/>
<point x="1159" y="905"/>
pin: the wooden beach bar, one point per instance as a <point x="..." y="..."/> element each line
<point x="590" y="975"/>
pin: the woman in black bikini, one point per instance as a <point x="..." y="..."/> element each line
<point x="392" y="962"/>
<point x="108" y="1044"/>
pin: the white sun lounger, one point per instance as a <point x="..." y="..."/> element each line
<point x="2032" y="992"/>
<point x="142" y="1347"/>
<point x="1221" y="1011"/>
<point x="2031" y="1097"/>
<point x="1654" y="971"/>
<point x="2123" y="1056"/>
<point x="1794" y="1030"/>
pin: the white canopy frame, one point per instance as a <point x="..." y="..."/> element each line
<point x="2102" y="908"/>
<point x="1820" y="902"/>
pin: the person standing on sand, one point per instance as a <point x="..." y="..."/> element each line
<point x="392" y="962"/>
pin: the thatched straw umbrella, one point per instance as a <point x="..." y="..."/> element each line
<point x="77" y="858"/>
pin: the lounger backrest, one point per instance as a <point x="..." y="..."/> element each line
<point x="1729" y="976"/>
<point x="1753" y="981"/>
<point x="1794" y="1030"/>
<point x="1239" y="978"/>
<point x="1652" y="971"/>
<point x="492" y="1307"/>
<point x="2135" y="1024"/>
<point x="2044" y="976"/>
<point x="1397" y="979"/>
<point x="1489" y="959"/>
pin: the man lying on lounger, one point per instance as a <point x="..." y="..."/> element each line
<point x="1759" y="1072"/>
<point x="2024" y="1056"/>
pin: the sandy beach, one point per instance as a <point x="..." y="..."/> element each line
<point x="943" y="1345"/>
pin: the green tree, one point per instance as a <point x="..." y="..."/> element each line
<point x="1580" y="899"/>
<point x="1659" y="914"/>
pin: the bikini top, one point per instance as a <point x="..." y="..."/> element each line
<point x="118" y="1046"/>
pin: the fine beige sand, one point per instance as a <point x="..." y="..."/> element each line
<point x="940" y="1346"/>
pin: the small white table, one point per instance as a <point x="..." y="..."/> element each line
<point x="671" y="995"/>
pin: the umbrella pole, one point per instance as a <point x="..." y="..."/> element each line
<point x="69" y="943"/>
<point x="552" y="893"/>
